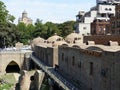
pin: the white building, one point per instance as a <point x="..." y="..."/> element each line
<point x="102" y="11"/>
<point x="115" y="1"/>
<point x="108" y="1"/>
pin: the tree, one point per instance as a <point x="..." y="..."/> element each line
<point x="29" y="31"/>
<point x="9" y="35"/>
<point x="66" y="28"/>
<point x="45" y="30"/>
<point x="21" y="27"/>
<point x="8" y="32"/>
<point x="48" y="29"/>
<point x="3" y="13"/>
<point x="5" y="17"/>
<point x="51" y="29"/>
<point x="40" y="29"/>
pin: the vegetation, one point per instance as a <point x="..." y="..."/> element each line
<point x="5" y="86"/>
<point x="8" y="32"/>
<point x="7" y="81"/>
<point x="44" y="30"/>
<point x="11" y="33"/>
<point x="45" y="85"/>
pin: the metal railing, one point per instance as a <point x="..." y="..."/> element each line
<point x="53" y="74"/>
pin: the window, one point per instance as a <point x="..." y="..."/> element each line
<point x="91" y="68"/>
<point x="100" y="29"/>
<point x="84" y="28"/>
<point x="59" y="39"/>
<point x="75" y="39"/>
<point x="73" y="60"/>
<point x="110" y="9"/>
<point x="119" y="31"/>
<point x="90" y="88"/>
<point x="106" y="9"/>
<point x="62" y="56"/>
<point x="103" y="15"/>
<point x="79" y="64"/>
<point x="66" y="59"/>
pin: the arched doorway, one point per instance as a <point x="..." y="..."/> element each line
<point x="12" y="67"/>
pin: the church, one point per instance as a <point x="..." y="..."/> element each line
<point x="25" y="19"/>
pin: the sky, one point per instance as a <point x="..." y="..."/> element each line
<point x="57" y="11"/>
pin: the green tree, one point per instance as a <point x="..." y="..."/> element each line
<point x="45" y="30"/>
<point x="3" y="13"/>
<point x="23" y="34"/>
<point x="8" y="32"/>
<point x="5" y="17"/>
<point x="51" y="29"/>
<point x="66" y="28"/>
<point x="29" y="31"/>
<point x="40" y="29"/>
<point x="26" y="32"/>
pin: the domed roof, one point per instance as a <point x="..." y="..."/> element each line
<point x="54" y="38"/>
<point x="24" y="11"/>
<point x="36" y="41"/>
<point x="59" y="43"/>
<point x="73" y="36"/>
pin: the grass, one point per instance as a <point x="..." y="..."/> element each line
<point x="5" y="86"/>
<point x="9" y="79"/>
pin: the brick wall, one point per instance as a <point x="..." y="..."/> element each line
<point x="102" y="39"/>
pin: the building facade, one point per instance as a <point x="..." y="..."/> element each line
<point x="47" y="51"/>
<point x="24" y="19"/>
<point x="90" y="67"/>
<point x="100" y="27"/>
<point x="115" y="22"/>
<point x="101" y="12"/>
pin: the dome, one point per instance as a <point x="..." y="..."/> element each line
<point x="54" y="38"/>
<point x="73" y="37"/>
<point x="24" y="11"/>
<point x="59" y="43"/>
<point x="36" y="41"/>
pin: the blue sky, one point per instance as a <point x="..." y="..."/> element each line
<point x="57" y="11"/>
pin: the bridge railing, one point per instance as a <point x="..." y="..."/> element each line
<point x="53" y="74"/>
<point x="14" y="51"/>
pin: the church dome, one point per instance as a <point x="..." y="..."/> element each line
<point x="54" y="38"/>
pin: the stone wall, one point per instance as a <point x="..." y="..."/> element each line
<point x="90" y="70"/>
<point x="20" y="58"/>
<point x="48" y="55"/>
<point x="7" y="57"/>
<point x="30" y="80"/>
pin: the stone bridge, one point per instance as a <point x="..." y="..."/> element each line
<point x="13" y="61"/>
